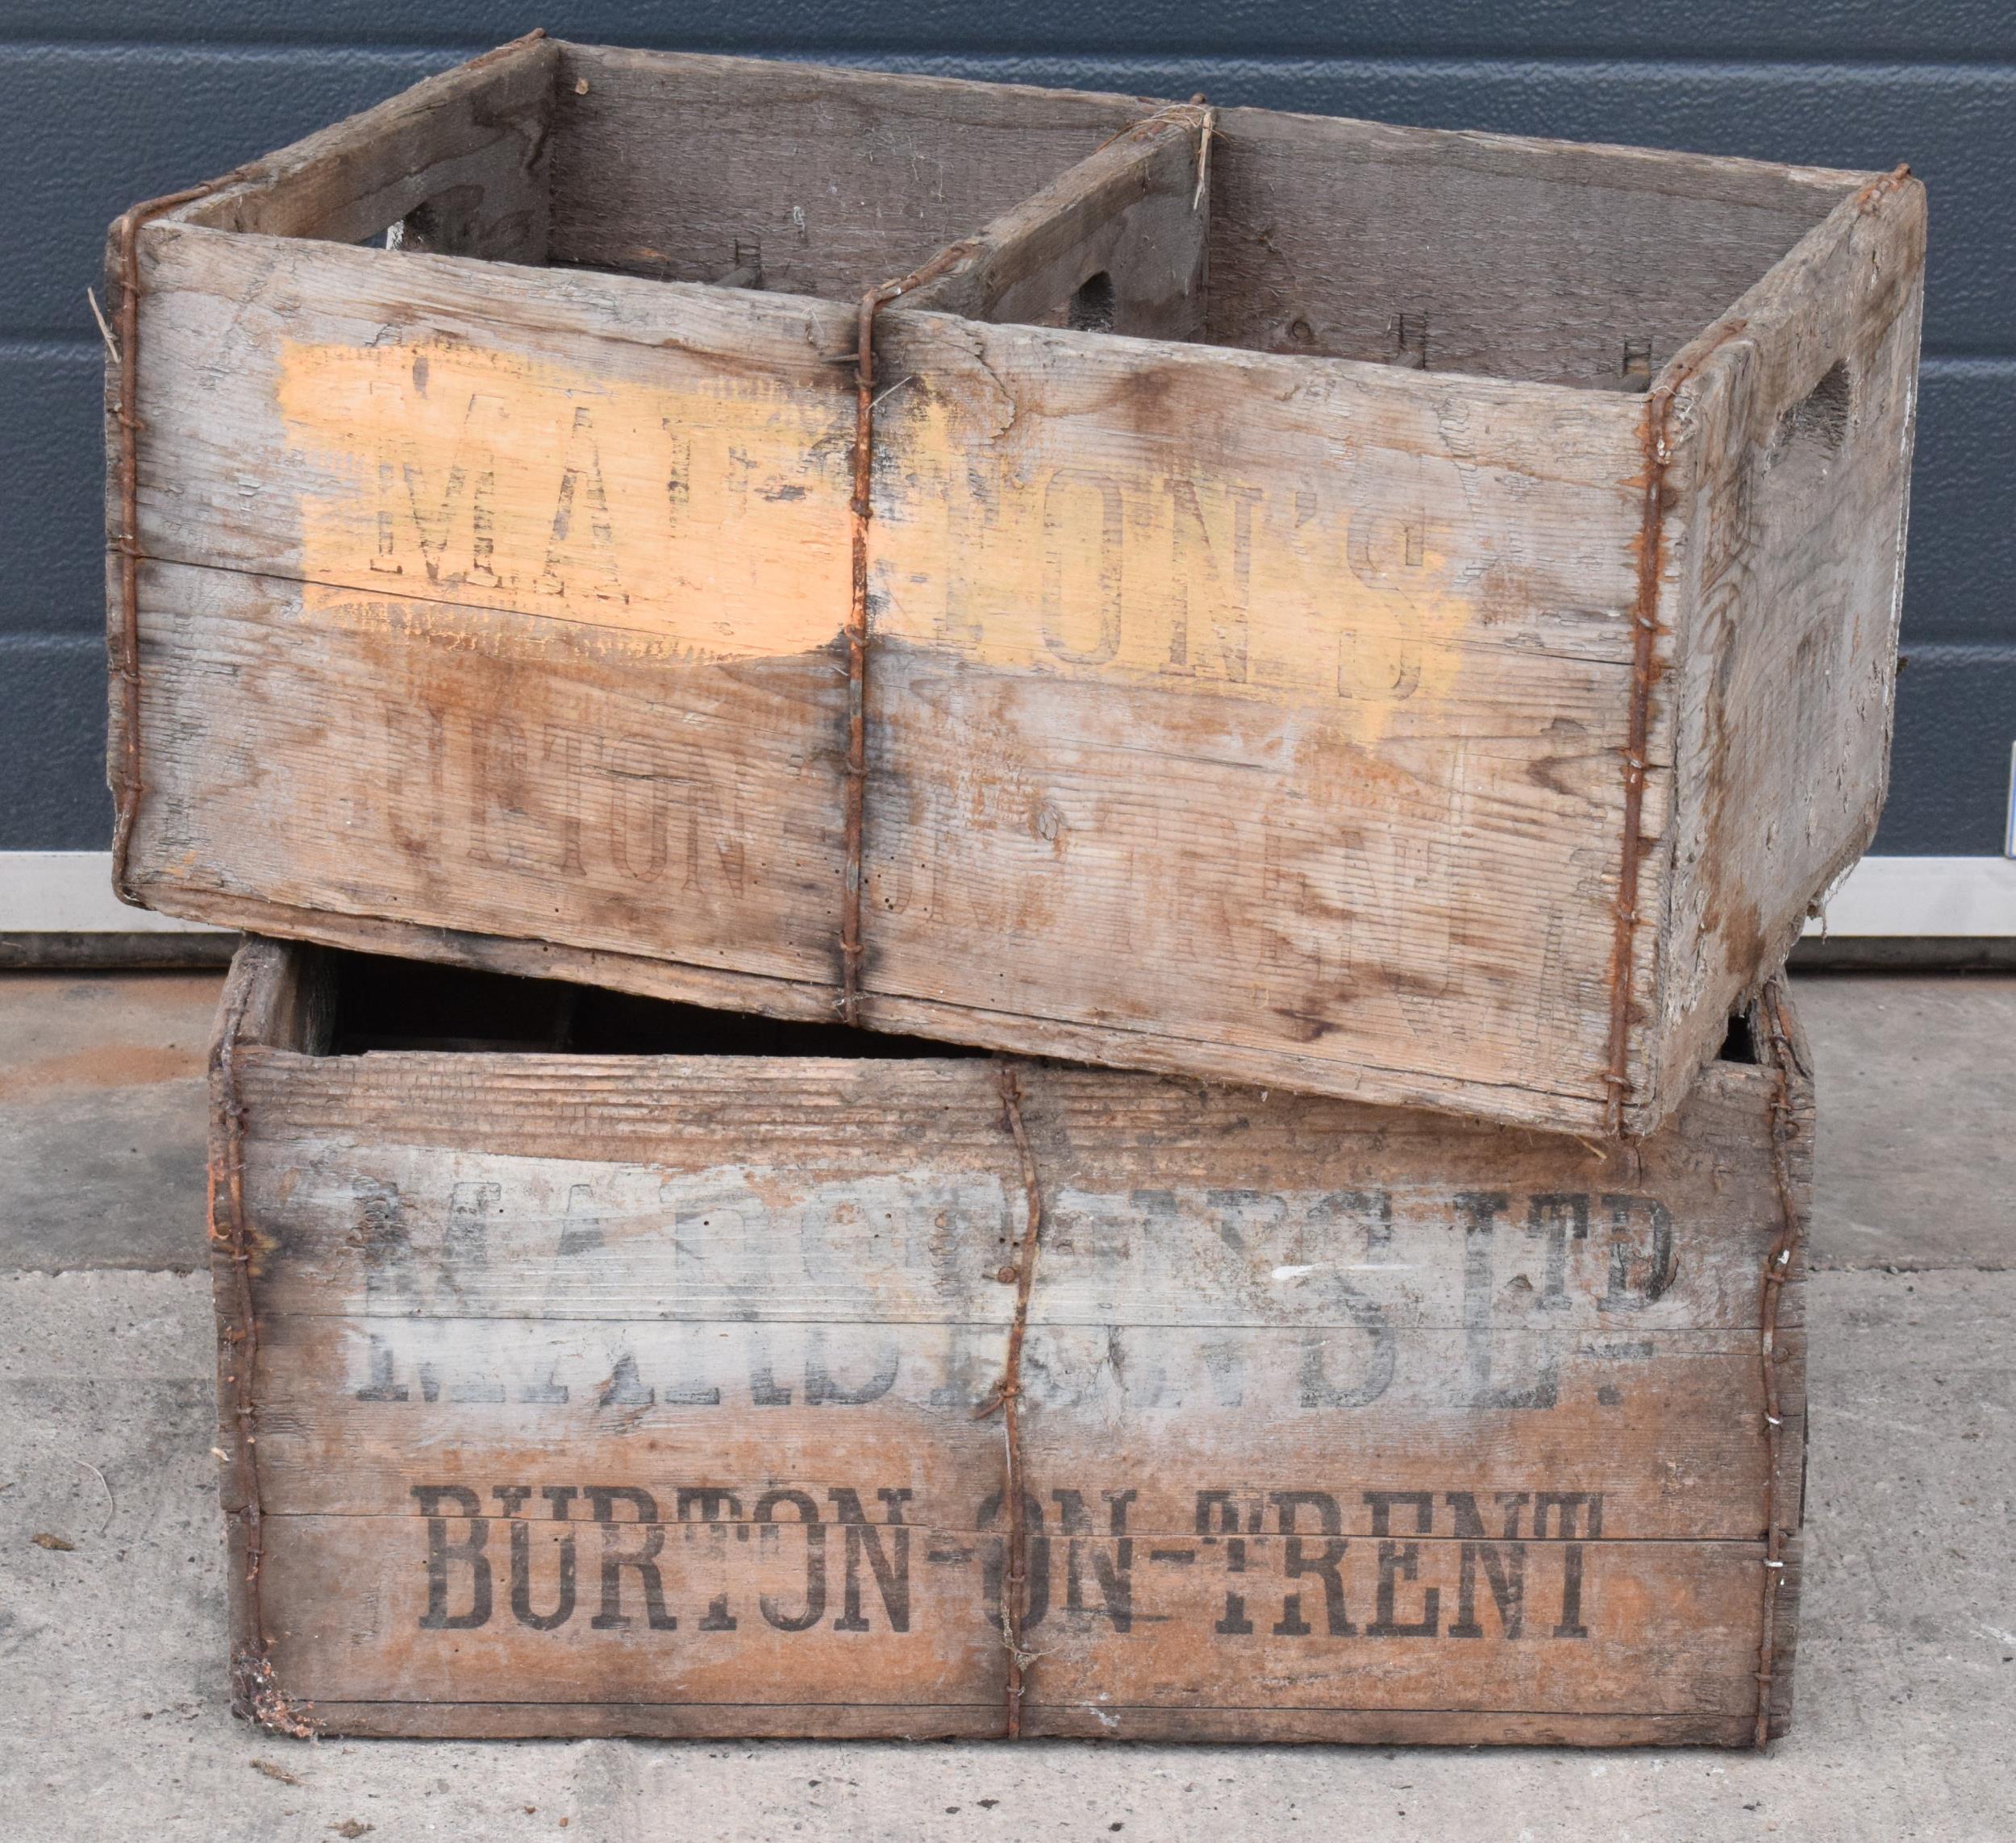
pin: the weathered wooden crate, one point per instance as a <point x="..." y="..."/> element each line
<point x="1397" y="614"/>
<point x="677" y="1390"/>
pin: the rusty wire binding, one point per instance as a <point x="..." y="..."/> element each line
<point x="1778" y="1265"/>
<point x="231" y="1236"/>
<point x="125" y="353"/>
<point x="1192" y="114"/>
<point x="126" y="540"/>
<point x="1657" y="438"/>
<point x="861" y="505"/>
<point x="1006" y="1395"/>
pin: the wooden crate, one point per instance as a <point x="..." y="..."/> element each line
<point x="661" y="1391"/>
<point x="1403" y="615"/>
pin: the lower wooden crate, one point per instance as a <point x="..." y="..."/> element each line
<point x="596" y="1366"/>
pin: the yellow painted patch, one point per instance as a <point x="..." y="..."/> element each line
<point x="1048" y="556"/>
<point x="711" y="511"/>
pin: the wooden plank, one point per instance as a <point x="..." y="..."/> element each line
<point x="1661" y="1428"/>
<point x="1792" y="475"/>
<point x="1371" y="1728"/>
<point x="1487" y="253"/>
<point x="797" y="1616"/>
<point x="1117" y="244"/>
<point x="682" y="1229"/>
<point x="531" y="959"/>
<point x="1334" y="1420"/>
<point x="1137" y="1173"/>
<point x="466" y="151"/>
<point x="664" y="165"/>
<point x="263" y="999"/>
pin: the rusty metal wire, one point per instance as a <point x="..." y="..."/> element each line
<point x="1778" y="1268"/>
<point x="1006" y="1395"/>
<point x="232" y="1242"/>
<point x="125" y="352"/>
<point x="862" y="507"/>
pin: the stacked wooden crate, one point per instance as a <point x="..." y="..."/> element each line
<point x="1378" y="637"/>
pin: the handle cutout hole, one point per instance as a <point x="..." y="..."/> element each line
<point x="1091" y="310"/>
<point x="1820" y="420"/>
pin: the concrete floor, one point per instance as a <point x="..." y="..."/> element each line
<point x="113" y="1722"/>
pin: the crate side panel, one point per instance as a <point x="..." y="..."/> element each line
<point x="663" y="461"/>
<point x="676" y="167"/>
<point x="1796" y="450"/>
<point x="1384" y="1524"/>
<point x="522" y="607"/>
<point x="1485" y="253"/>
<point x="1248" y="703"/>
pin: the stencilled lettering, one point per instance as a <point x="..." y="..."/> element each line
<point x="844" y="1559"/>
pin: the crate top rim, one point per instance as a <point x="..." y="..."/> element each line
<point x="206" y="208"/>
<point x="263" y="966"/>
<point x="1653" y="165"/>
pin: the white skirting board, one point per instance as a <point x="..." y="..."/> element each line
<point x="1921" y="899"/>
<point x="70" y="892"/>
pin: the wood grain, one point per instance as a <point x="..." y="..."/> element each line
<point x="1333" y="1415"/>
<point x="1244" y="705"/>
<point x="1506" y="257"/>
<point x="665" y="164"/>
<point x="1792" y="483"/>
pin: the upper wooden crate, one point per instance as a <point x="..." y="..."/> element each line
<point x="1399" y="615"/>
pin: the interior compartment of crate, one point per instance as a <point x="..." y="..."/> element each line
<point x="802" y="181"/>
<point x="751" y="173"/>
<point x="1327" y="238"/>
<point x="367" y="1003"/>
<point x="364" y="1003"/>
<point x="1509" y="258"/>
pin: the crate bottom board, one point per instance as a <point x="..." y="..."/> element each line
<point x="982" y="1721"/>
<point x="1418" y="1650"/>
